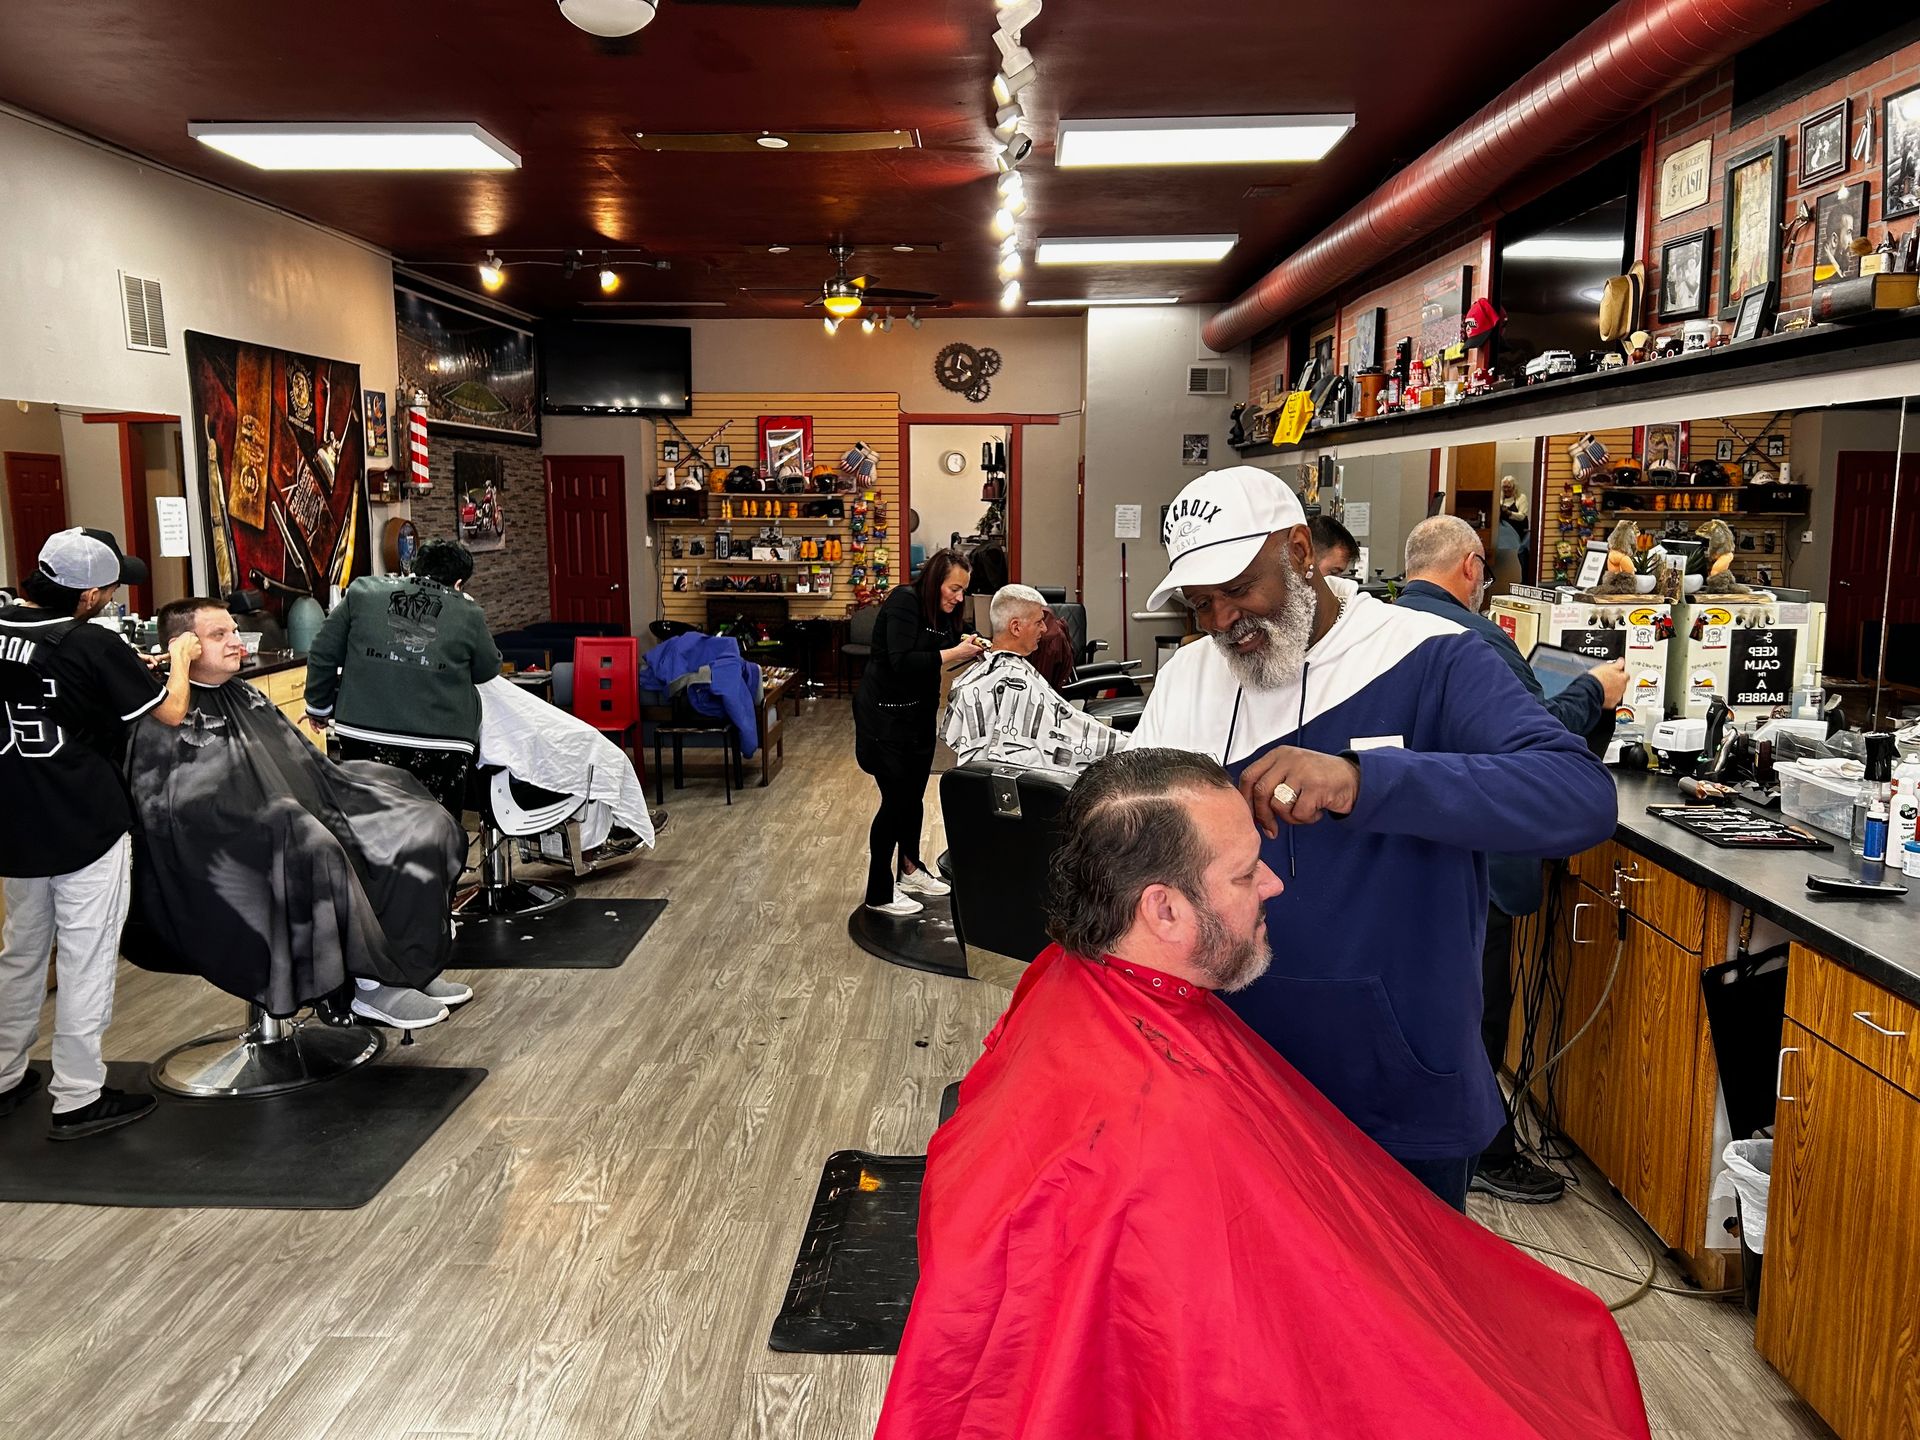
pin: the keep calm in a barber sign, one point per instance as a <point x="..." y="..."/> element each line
<point x="1760" y="667"/>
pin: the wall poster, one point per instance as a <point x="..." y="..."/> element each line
<point x="282" y="483"/>
<point x="476" y="371"/>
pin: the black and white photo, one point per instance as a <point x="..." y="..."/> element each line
<point x="1900" y="175"/>
<point x="1683" y="275"/>
<point x="1823" y="143"/>
<point x="1194" y="449"/>
<point x="1840" y="218"/>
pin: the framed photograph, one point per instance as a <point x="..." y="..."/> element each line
<point x="1754" y="305"/>
<point x="1664" y="447"/>
<point x="1723" y="449"/>
<point x="1443" y="301"/>
<point x="1685" y="265"/>
<point x="373" y="404"/>
<point x="1837" y="224"/>
<point x="1900" y="172"/>
<point x="1194" y="448"/>
<point x="1363" y="351"/>
<point x="1823" y="143"/>
<point x="1756" y="183"/>
<point x="670" y="452"/>
<point x="723" y="457"/>
<point x="1776" y="447"/>
<point x="476" y="370"/>
<point x="1685" y="179"/>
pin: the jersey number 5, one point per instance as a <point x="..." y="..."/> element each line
<point x="29" y="730"/>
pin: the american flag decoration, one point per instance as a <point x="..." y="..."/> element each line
<point x="417" y="473"/>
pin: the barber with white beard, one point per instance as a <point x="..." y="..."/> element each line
<point x="1383" y="753"/>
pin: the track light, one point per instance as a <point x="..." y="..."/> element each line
<point x="492" y="273"/>
<point x="1010" y="265"/>
<point x="913" y="319"/>
<point x="1010" y="297"/>
<point x="1013" y="153"/>
<point x="609" y="279"/>
<point x="1016" y="15"/>
<point x="886" y="323"/>
<point x="1006" y="87"/>
<point x="866" y="324"/>
<point x="1003" y="223"/>
<point x="1006" y="120"/>
<point x="832" y="325"/>
<point x="571" y="266"/>
<point x="1015" y="58"/>
<point x="1013" y="192"/>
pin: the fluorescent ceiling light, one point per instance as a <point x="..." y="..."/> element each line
<point x="1104" y="301"/>
<point x="353" y="145"/>
<point x="1214" y="140"/>
<point x="1140" y="249"/>
<point x="1564" y="247"/>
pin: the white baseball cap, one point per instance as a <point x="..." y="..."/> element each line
<point x="1218" y="524"/>
<point x="88" y="559"/>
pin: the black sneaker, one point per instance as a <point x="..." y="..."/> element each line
<point x="12" y="1098"/>
<point x="113" y="1109"/>
<point x="1519" y="1180"/>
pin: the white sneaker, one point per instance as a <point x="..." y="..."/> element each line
<point x="900" y="905"/>
<point x="924" y="882"/>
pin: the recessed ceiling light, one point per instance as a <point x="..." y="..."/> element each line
<point x="903" y="249"/>
<point x="1104" y="301"/>
<point x="778" y="249"/>
<point x="770" y="142"/>
<point x="1211" y="140"/>
<point x="1564" y="247"/>
<point x="1140" y="249"/>
<point x="355" y="145"/>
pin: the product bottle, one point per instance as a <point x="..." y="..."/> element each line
<point x="1903" y="811"/>
<point x="1871" y="801"/>
<point x="1874" y="847"/>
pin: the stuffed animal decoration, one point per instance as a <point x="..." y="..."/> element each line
<point x="1719" y="556"/>
<point x="1623" y="548"/>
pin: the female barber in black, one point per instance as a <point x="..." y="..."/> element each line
<point x="896" y="720"/>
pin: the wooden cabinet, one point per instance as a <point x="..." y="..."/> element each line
<point x="287" y="689"/>
<point x="1840" y="1304"/>
<point x="1636" y="1090"/>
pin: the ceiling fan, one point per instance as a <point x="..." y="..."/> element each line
<point x="842" y="295"/>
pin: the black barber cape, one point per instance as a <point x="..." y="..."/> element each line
<point x="265" y="868"/>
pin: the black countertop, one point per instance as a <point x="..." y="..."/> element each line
<point x="272" y="662"/>
<point x="1878" y="938"/>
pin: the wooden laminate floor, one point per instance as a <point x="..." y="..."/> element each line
<point x="596" y="1242"/>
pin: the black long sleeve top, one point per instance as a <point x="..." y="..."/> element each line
<point x="904" y="668"/>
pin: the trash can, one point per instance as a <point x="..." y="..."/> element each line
<point x="1747" y="1177"/>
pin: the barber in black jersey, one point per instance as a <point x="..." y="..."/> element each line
<point x="896" y="719"/>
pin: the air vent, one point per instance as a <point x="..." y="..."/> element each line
<point x="145" y="315"/>
<point x="1207" y="380"/>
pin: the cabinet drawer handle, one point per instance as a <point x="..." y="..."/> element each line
<point x="1780" y="1071"/>
<point x="1631" y="873"/>
<point x="1576" y="937"/>
<point x="1865" y="1017"/>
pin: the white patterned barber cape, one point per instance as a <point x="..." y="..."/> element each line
<point x="1002" y="710"/>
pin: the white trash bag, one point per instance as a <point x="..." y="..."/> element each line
<point x="1747" y="1176"/>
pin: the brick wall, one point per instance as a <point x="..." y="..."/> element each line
<point x="510" y="583"/>
<point x="1704" y="110"/>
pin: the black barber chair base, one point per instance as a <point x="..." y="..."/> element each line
<point x="510" y="900"/>
<point x="268" y="1057"/>
<point x="926" y="941"/>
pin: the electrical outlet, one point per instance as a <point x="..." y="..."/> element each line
<point x="1806" y="537"/>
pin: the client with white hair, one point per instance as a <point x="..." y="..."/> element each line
<point x="1003" y="710"/>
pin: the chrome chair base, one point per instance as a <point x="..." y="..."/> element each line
<point x="268" y="1057"/>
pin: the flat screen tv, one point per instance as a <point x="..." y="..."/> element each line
<point x="598" y="367"/>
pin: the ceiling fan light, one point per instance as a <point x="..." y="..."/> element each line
<point x="609" y="19"/>
<point x="841" y="306"/>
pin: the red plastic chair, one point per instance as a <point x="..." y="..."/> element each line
<point x="606" y="690"/>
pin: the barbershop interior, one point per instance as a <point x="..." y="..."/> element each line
<point x="653" y="702"/>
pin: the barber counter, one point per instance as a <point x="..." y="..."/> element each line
<point x="1642" y="1091"/>
<point x="282" y="678"/>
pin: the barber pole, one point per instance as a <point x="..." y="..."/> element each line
<point x="418" y="476"/>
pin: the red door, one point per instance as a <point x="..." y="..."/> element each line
<point x="1862" y="509"/>
<point x="36" y="506"/>
<point x="587" y="539"/>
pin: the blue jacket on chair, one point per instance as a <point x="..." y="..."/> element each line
<point x="732" y="686"/>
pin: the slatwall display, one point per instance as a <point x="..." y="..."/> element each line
<point x="1771" y="536"/>
<point x="839" y="421"/>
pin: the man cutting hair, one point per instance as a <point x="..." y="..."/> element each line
<point x="1384" y="754"/>
<point x="1141" y="1221"/>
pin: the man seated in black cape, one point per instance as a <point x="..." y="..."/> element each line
<point x="282" y="877"/>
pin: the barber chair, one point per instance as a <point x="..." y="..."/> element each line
<point x="512" y="810"/>
<point x="858" y="645"/>
<point x="1002" y="831"/>
<point x="269" y="1055"/>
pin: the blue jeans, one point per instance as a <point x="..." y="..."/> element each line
<point x="1446" y="1178"/>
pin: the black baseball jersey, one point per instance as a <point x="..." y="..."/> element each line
<point x="67" y="691"/>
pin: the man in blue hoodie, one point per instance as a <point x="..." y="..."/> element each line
<point x="1384" y="754"/>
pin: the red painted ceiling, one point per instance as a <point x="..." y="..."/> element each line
<point x="135" y="73"/>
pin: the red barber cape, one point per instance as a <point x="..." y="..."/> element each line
<point x="1143" y="1223"/>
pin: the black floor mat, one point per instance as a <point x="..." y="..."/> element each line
<point x="926" y="941"/>
<point x="859" y="1259"/>
<point x="583" y="934"/>
<point x="331" y="1146"/>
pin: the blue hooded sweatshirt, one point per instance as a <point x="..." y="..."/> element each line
<point x="732" y="687"/>
<point x="1374" y="994"/>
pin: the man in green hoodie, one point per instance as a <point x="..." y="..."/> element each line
<point x="395" y="666"/>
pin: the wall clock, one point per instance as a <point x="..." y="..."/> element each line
<point x="953" y="462"/>
<point x="966" y="371"/>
